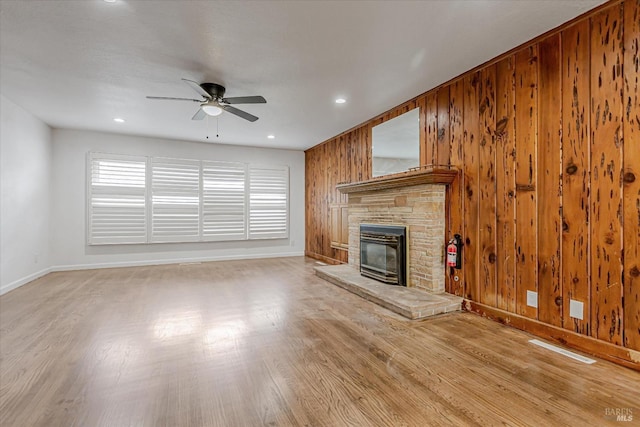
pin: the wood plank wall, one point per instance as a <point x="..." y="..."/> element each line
<point x="548" y="141"/>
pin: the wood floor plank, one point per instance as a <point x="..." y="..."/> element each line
<point x="266" y="342"/>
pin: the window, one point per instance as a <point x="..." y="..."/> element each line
<point x="223" y="201"/>
<point x="117" y="201"/>
<point x="154" y="200"/>
<point x="268" y="202"/>
<point x="175" y="200"/>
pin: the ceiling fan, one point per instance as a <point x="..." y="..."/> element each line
<point x="213" y="101"/>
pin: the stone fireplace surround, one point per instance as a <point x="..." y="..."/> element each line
<point x="417" y="200"/>
<point x="421" y="209"/>
<point x="414" y="199"/>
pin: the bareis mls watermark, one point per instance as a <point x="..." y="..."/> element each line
<point x="619" y="414"/>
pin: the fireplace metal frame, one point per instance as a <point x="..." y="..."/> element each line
<point x="387" y="235"/>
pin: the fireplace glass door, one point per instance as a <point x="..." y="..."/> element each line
<point x="381" y="258"/>
<point x="382" y="253"/>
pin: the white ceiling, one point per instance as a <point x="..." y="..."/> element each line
<point x="79" y="64"/>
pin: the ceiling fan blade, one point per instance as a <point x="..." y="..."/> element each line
<point x="245" y="100"/>
<point x="239" y="113"/>
<point x="199" y="115"/>
<point x="166" y="98"/>
<point x="196" y="86"/>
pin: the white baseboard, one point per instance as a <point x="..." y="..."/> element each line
<point x="23" y="281"/>
<point x="142" y="263"/>
<point x="13" y="285"/>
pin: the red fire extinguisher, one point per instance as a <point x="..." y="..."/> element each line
<point x="454" y="252"/>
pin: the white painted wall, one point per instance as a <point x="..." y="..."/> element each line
<point x="68" y="242"/>
<point x="25" y="173"/>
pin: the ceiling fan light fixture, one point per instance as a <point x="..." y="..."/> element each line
<point x="212" y="109"/>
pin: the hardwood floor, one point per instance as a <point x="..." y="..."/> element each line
<point x="265" y="342"/>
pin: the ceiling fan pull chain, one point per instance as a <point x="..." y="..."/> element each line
<point x="217" y="128"/>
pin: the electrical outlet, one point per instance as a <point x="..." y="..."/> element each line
<point x="576" y="309"/>
<point x="532" y="299"/>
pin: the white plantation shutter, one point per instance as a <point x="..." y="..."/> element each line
<point x="223" y="201"/>
<point x="117" y="199"/>
<point x="268" y="202"/>
<point x="175" y="197"/>
<point x="138" y="199"/>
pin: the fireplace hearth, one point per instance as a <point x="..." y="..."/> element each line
<point x="383" y="253"/>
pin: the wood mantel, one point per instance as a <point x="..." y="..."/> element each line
<point x="428" y="175"/>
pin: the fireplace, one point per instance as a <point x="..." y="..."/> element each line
<point x="418" y="206"/>
<point x="383" y="253"/>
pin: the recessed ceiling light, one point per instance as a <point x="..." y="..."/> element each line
<point x="271" y="136"/>
<point x="110" y="1"/>
<point x="340" y="101"/>
<point x="118" y="119"/>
